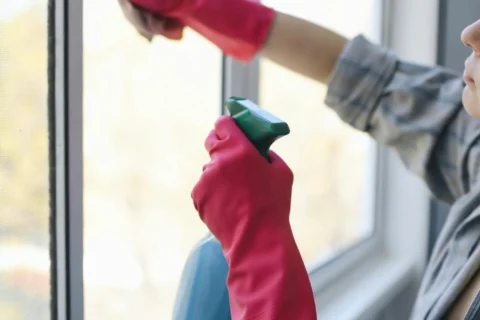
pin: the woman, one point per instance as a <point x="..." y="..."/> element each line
<point x="427" y="114"/>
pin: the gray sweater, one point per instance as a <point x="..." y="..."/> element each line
<point x="417" y="110"/>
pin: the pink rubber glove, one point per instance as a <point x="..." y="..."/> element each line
<point x="238" y="27"/>
<point x="245" y="202"/>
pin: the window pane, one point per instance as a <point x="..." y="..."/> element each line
<point x="147" y="110"/>
<point x="24" y="173"/>
<point x="328" y="158"/>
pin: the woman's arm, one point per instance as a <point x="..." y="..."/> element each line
<point x="242" y="30"/>
<point x="303" y="47"/>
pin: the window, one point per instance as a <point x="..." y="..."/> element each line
<point x="142" y="102"/>
<point x="328" y="213"/>
<point x="24" y="162"/>
<point x="92" y="168"/>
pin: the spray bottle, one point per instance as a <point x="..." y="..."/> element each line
<point x="202" y="293"/>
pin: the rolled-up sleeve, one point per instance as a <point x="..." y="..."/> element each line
<point x="415" y="109"/>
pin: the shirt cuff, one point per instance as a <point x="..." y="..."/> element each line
<point x="359" y="78"/>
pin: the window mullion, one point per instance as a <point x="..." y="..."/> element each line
<point x="240" y="80"/>
<point x="68" y="161"/>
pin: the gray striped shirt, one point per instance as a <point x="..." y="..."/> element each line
<point x="417" y="110"/>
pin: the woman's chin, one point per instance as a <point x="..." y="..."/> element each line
<point x="470" y="102"/>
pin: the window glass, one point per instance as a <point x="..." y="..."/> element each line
<point x="332" y="190"/>
<point x="24" y="163"/>
<point x="147" y="110"/>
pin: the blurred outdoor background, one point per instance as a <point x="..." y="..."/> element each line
<point x="147" y="109"/>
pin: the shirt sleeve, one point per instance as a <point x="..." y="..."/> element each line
<point x="415" y="109"/>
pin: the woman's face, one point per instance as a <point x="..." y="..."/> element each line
<point x="471" y="76"/>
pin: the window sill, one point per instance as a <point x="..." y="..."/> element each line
<point x="364" y="293"/>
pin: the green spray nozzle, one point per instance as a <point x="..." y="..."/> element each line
<point x="261" y="127"/>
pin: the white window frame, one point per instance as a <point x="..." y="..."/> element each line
<point x="357" y="284"/>
<point x="386" y="279"/>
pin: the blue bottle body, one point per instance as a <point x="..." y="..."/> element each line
<point x="202" y="293"/>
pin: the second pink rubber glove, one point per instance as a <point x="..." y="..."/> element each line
<point x="238" y="27"/>
<point x="245" y="202"/>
